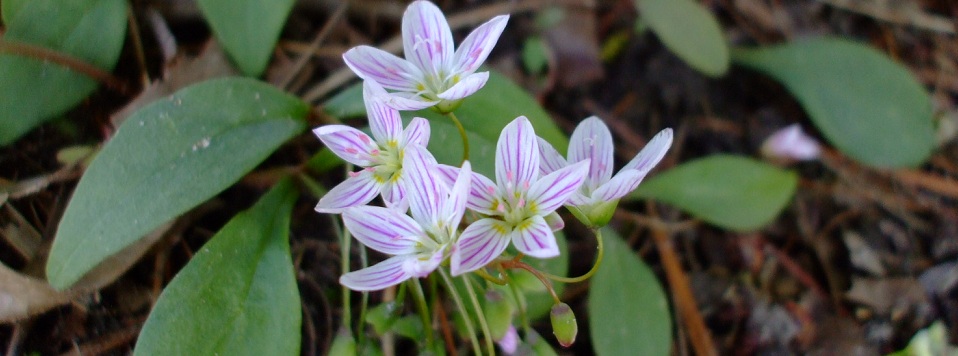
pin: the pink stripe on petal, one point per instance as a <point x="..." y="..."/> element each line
<point x="394" y="194"/>
<point x="479" y="244"/>
<point x="381" y="275"/>
<point x="476" y="47"/>
<point x="416" y="133"/>
<point x="374" y="64"/>
<point x="534" y="238"/>
<point x="553" y="190"/>
<point x="549" y="159"/>
<point x="354" y="191"/>
<point x="483" y="194"/>
<point x="384" y="121"/>
<point x="382" y="229"/>
<point x="348" y="143"/>
<point x="427" y="39"/>
<point x="466" y="87"/>
<point x="517" y="155"/>
<point x="423" y="188"/>
<point x="652" y="153"/>
<point x="592" y="140"/>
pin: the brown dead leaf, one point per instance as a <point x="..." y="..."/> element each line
<point x="886" y="295"/>
<point x="181" y="72"/>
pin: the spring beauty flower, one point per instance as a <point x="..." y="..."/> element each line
<point x="381" y="155"/>
<point x="432" y="73"/>
<point x="591" y="141"/>
<point x="791" y="143"/>
<point x="516" y="206"/>
<point x="419" y="243"/>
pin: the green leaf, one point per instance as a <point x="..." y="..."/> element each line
<point x="248" y="29"/>
<point x="733" y="192"/>
<point x="165" y="159"/>
<point x="628" y="310"/>
<point x="483" y="115"/>
<point x="34" y="91"/>
<point x="867" y="105"/>
<point x="238" y="294"/>
<point x="690" y="31"/>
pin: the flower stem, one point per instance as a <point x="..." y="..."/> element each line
<point x="462" y="133"/>
<point x="485" y="275"/>
<point x="487" y="335"/>
<point x="521" y="302"/>
<point x="470" y="329"/>
<point x="538" y="274"/>
<point x="344" y="244"/>
<point x="420" y="298"/>
<point x="595" y="267"/>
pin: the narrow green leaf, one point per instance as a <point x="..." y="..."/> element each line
<point x="628" y="310"/>
<point x="165" y="159"/>
<point x="733" y="192"/>
<point x="33" y="91"/>
<point x="867" y="105"/>
<point x="248" y="29"/>
<point x="347" y="103"/>
<point x="690" y="31"/>
<point x="238" y="294"/>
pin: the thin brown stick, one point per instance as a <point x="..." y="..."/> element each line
<point x="72" y="63"/>
<point x="317" y="41"/>
<point x="699" y="335"/>
<point x="137" y="46"/>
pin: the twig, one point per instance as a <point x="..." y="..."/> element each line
<point x="933" y="183"/>
<point x="679" y="284"/>
<point x="72" y="63"/>
<point x="318" y="40"/>
<point x="137" y="47"/>
<point x="915" y="18"/>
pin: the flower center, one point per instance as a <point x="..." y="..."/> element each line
<point x="387" y="162"/>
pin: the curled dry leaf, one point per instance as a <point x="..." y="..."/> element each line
<point x="22" y="296"/>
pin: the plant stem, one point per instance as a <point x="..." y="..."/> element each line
<point x="72" y="63"/>
<point x="344" y="244"/>
<point x="462" y="134"/>
<point x="521" y="302"/>
<point x="364" y="302"/>
<point x="470" y="329"/>
<point x="595" y="267"/>
<point x="420" y="298"/>
<point x="487" y="335"/>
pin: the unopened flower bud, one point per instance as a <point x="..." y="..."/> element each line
<point x="791" y="143"/>
<point x="563" y="324"/>
<point x="498" y="313"/>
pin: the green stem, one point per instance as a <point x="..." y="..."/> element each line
<point x="420" y="298"/>
<point x="595" y="267"/>
<point x="470" y="329"/>
<point x="364" y="303"/>
<point x="344" y="244"/>
<point x="462" y="133"/>
<point x="521" y="302"/>
<point x="487" y="335"/>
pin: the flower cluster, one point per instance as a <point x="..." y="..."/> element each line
<point x="422" y="225"/>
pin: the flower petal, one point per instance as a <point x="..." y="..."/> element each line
<point x="592" y="140"/>
<point x="384" y="121"/>
<point x="354" y="191"/>
<point x="417" y="133"/>
<point x="385" y="230"/>
<point x="652" y="153"/>
<point x="455" y="205"/>
<point x="479" y="244"/>
<point x="476" y="47"/>
<point x="517" y="155"/>
<point x="424" y="189"/>
<point x="549" y="159"/>
<point x="394" y="194"/>
<point x="348" y="143"/>
<point x="426" y="37"/>
<point x="379" y="276"/>
<point x="553" y="190"/>
<point x="423" y="264"/>
<point x="555" y="221"/>
<point x="534" y="238"/>
<point x="465" y="87"/>
<point x="621" y="184"/>
<point x="383" y="67"/>
<point x="408" y="101"/>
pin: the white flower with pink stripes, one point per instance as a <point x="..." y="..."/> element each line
<point x="517" y="205"/>
<point x="592" y="142"/>
<point x="380" y="155"/>
<point x="419" y="243"/>
<point x="433" y="74"/>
